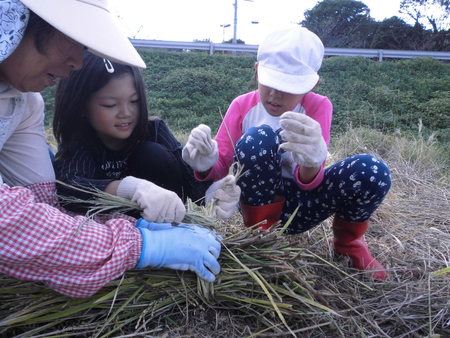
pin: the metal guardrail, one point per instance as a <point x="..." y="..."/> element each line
<point x="211" y="47"/>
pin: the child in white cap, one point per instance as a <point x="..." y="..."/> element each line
<point x="280" y="133"/>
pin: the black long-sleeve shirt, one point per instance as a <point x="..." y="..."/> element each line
<point x="91" y="164"/>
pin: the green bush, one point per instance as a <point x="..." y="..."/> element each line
<point x="388" y="95"/>
<point x="187" y="89"/>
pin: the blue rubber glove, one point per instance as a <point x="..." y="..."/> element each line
<point x="153" y="226"/>
<point x="181" y="248"/>
<point x="142" y="223"/>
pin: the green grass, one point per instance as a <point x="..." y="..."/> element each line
<point x="187" y="89"/>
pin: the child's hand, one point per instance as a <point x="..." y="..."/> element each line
<point x="158" y="204"/>
<point x="200" y="151"/>
<point x="303" y="137"/>
<point x="224" y="195"/>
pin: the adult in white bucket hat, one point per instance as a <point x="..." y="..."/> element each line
<point x="40" y="42"/>
<point x="89" y="22"/>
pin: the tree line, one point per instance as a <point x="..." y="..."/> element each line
<point x="348" y="24"/>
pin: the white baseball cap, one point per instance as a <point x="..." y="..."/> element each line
<point x="289" y="59"/>
<point x="90" y="23"/>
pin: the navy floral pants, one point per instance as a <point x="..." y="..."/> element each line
<point x="352" y="188"/>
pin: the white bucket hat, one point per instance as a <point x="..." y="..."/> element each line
<point x="90" y="23"/>
<point x="289" y="59"/>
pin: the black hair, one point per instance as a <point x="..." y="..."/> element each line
<point x="41" y="31"/>
<point x="70" y="122"/>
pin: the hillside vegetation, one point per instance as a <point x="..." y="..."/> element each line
<point x="186" y="89"/>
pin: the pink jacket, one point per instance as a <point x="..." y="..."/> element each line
<point x="247" y="111"/>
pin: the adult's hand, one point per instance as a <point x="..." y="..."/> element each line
<point x="181" y="248"/>
<point x="153" y="226"/>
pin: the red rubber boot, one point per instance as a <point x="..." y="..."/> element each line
<point x="253" y="214"/>
<point x="349" y="241"/>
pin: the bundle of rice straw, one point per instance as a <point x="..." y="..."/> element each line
<point x="257" y="278"/>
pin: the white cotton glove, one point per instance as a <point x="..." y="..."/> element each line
<point x="225" y="194"/>
<point x="158" y="204"/>
<point x="200" y="151"/>
<point x="303" y="137"/>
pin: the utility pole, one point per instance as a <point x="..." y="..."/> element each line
<point x="235" y="20"/>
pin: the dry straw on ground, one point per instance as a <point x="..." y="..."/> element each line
<point x="274" y="285"/>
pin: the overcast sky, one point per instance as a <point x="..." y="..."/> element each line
<point x="186" y="20"/>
